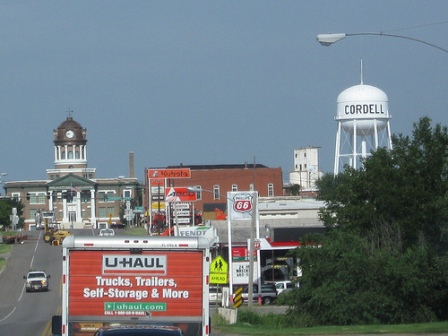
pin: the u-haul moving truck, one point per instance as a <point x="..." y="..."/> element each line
<point x="132" y="280"/>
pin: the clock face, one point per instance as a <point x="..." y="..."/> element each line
<point x="69" y="134"/>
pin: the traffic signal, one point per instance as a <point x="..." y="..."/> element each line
<point x="85" y="195"/>
<point x="64" y="195"/>
<point x="28" y="196"/>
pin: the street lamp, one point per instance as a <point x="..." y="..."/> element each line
<point x="328" y="39"/>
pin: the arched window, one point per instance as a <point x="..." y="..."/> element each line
<point x="63" y="155"/>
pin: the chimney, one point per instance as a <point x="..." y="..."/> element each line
<point x="131" y="164"/>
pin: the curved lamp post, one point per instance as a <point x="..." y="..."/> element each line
<point x="328" y="39"/>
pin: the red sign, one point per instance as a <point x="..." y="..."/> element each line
<point x="116" y="283"/>
<point x="180" y="195"/>
<point x="242" y="254"/>
<point x="169" y="173"/>
<point x="242" y="205"/>
<point x="157" y="182"/>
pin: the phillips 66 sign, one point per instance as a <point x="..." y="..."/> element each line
<point x="241" y="204"/>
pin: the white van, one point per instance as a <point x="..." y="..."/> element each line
<point x="282" y="286"/>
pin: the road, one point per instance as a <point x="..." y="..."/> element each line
<point x="24" y="313"/>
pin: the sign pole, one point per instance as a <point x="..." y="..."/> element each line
<point x="229" y="239"/>
<point x="251" y="253"/>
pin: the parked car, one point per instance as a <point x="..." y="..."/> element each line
<point x="139" y="330"/>
<point x="36" y="281"/>
<point x="117" y="226"/>
<point x="286" y="285"/>
<point x="268" y="293"/>
<point x="107" y="232"/>
<point x="215" y="295"/>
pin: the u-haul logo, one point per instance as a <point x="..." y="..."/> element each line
<point x="133" y="264"/>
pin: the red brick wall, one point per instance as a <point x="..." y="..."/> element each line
<point x="225" y="178"/>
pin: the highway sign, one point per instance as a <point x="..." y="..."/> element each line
<point x="113" y="198"/>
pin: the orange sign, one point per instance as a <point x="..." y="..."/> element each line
<point x="169" y="173"/>
<point x="156" y="182"/>
<point x="180" y="194"/>
<point x="153" y="283"/>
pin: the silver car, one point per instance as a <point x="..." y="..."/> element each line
<point x="107" y="232"/>
<point x="215" y="295"/>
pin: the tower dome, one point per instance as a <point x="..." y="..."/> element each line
<point x="70" y="148"/>
<point x="364" y="106"/>
<point x="69" y="132"/>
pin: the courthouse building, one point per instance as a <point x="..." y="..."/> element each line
<point x="71" y="190"/>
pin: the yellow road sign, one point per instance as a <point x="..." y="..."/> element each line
<point x="238" y="297"/>
<point x="219" y="265"/>
<point x="218" y="278"/>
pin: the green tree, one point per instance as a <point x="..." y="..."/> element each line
<point x="383" y="259"/>
<point x="6" y="206"/>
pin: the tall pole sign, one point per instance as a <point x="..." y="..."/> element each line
<point x="241" y="205"/>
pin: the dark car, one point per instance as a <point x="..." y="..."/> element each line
<point x="139" y="330"/>
<point x="268" y="293"/>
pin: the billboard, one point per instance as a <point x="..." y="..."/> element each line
<point x="169" y="173"/>
<point x="154" y="284"/>
<point x="180" y="194"/>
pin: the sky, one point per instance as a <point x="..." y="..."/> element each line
<point x="207" y="82"/>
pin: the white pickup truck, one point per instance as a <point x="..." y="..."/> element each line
<point x="36" y="281"/>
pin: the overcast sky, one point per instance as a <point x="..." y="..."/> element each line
<point x="206" y="82"/>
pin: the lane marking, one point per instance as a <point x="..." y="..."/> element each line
<point x="8" y="315"/>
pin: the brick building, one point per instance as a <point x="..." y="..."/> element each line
<point x="215" y="181"/>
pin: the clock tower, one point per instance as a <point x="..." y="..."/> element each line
<point x="70" y="151"/>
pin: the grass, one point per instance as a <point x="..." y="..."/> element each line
<point x="4" y="248"/>
<point x="219" y="325"/>
<point x="135" y="231"/>
<point x="264" y="328"/>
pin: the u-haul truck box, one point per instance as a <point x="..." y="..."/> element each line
<point x="129" y="280"/>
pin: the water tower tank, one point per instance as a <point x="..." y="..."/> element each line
<point x="363" y="124"/>
<point x="363" y="106"/>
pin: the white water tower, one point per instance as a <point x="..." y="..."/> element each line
<point x="363" y="125"/>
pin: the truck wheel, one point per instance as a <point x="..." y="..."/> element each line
<point x="267" y="300"/>
<point x="48" y="237"/>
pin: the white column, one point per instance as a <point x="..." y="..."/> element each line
<point x="92" y="208"/>
<point x="64" y="210"/>
<point x="78" y="207"/>
<point x="50" y="201"/>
